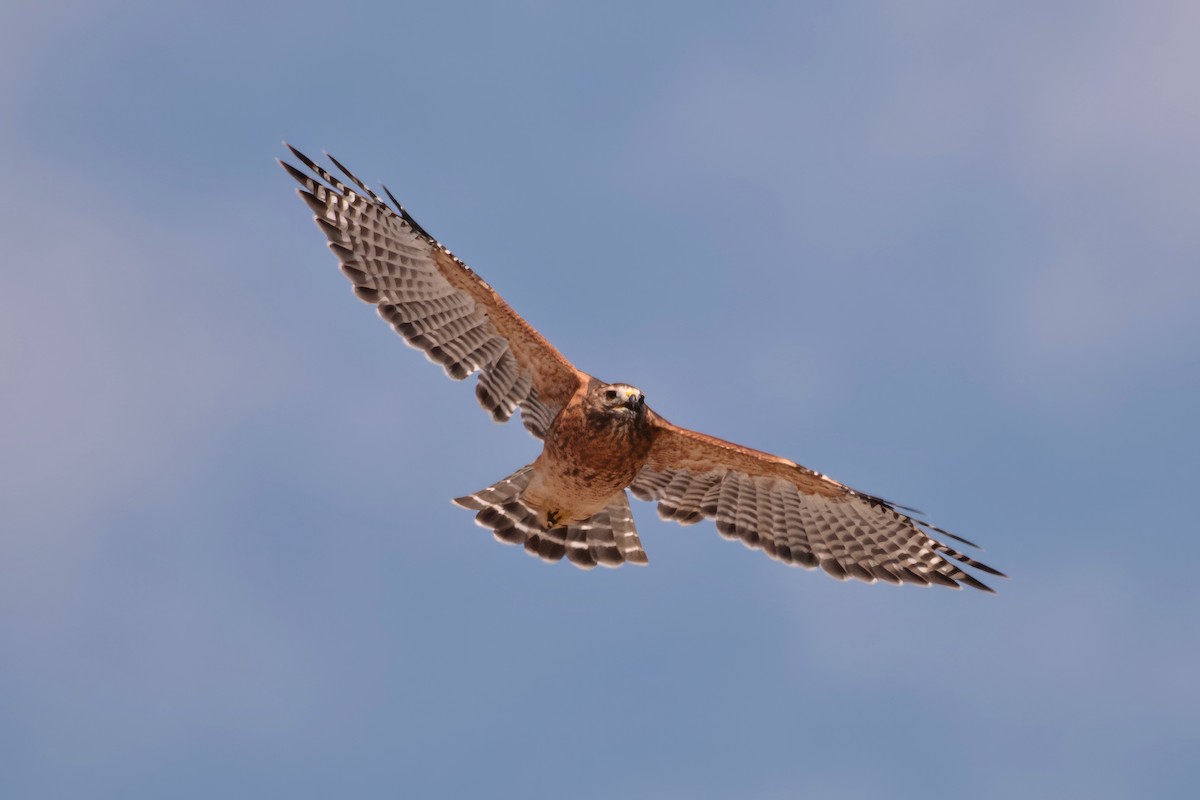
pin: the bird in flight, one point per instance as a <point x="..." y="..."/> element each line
<point x="599" y="438"/>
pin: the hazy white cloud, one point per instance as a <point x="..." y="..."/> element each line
<point x="139" y="348"/>
<point x="123" y="356"/>
<point x="1087" y="676"/>
<point x="1071" y="130"/>
<point x="30" y="34"/>
<point x="1087" y="114"/>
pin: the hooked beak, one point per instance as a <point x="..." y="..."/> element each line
<point x="635" y="400"/>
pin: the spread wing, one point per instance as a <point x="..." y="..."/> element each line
<point x="435" y="301"/>
<point x="794" y="514"/>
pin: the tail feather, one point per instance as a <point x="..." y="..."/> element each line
<point x="609" y="537"/>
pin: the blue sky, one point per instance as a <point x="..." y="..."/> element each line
<point x="946" y="254"/>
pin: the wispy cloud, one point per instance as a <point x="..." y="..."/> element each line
<point x="1069" y="136"/>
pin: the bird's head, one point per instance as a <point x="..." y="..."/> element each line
<point x="617" y="400"/>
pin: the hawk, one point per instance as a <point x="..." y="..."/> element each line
<point x="599" y="438"/>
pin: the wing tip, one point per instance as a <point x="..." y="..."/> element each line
<point x="975" y="583"/>
<point x="990" y="570"/>
<point x="308" y="162"/>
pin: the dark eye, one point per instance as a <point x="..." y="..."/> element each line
<point x="610" y="394"/>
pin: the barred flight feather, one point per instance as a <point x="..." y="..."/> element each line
<point x="393" y="263"/>
<point x="847" y="537"/>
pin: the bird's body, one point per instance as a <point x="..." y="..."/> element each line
<point x="591" y="453"/>
<point x="601" y="438"/>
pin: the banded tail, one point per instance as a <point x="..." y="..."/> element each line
<point x="608" y="538"/>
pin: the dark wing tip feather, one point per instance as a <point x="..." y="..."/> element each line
<point x="307" y="182"/>
<point x="876" y="500"/>
<point x="352" y="177"/>
<point x="900" y="506"/>
<point x="914" y="514"/>
<point x="305" y="160"/>
<point x="941" y="579"/>
<point x="416" y="226"/>
<point x="953" y="536"/>
<point x="974" y="583"/>
<point x="989" y="570"/>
